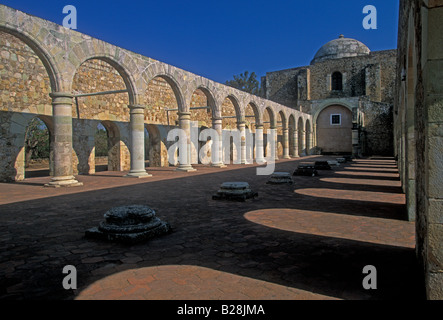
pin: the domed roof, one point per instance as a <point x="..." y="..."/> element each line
<point x="341" y="48"/>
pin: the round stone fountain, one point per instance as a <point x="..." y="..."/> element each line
<point x="129" y="224"/>
<point x="235" y="191"/>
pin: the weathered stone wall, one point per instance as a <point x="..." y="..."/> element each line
<point x="283" y="86"/>
<point x="370" y="75"/>
<point x="418" y="130"/>
<point x="378" y="128"/>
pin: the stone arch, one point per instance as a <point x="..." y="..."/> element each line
<point x="269" y="112"/>
<point x="178" y="85"/>
<point x="18" y="129"/>
<point x="161" y="93"/>
<point x="337" y="81"/>
<point x="284" y="121"/>
<point x="18" y="112"/>
<point x="42" y="53"/>
<point x="125" y="74"/>
<point x="328" y="104"/>
<point x="203" y="97"/>
<point x="255" y="113"/>
<point x="269" y="122"/>
<point x="114" y="146"/>
<point x="237" y="110"/>
<point x="156" y="153"/>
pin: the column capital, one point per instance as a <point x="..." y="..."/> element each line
<point x="54" y="95"/>
<point x="217" y="119"/>
<point x="61" y="98"/>
<point x="136" y="106"/>
<point x="259" y="126"/>
<point x="183" y="114"/>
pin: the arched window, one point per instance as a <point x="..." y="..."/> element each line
<point x="337" y="81"/>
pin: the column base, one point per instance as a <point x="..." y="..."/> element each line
<point x="261" y="161"/>
<point x="187" y="168"/>
<point x="63" y="182"/>
<point x="138" y="175"/>
<point x="286" y="157"/>
<point x="219" y="165"/>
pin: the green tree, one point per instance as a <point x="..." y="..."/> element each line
<point x="246" y="82"/>
<point x="37" y="141"/>
<point x="101" y="142"/>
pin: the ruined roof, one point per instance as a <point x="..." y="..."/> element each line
<point x="341" y="48"/>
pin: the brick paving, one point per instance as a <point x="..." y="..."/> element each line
<point x="309" y="241"/>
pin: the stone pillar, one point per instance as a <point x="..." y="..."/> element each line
<point x="62" y="142"/>
<point x="217" y="125"/>
<point x="259" y="145"/>
<point x="242" y="128"/>
<point x="295" y="145"/>
<point x="184" y="119"/>
<point x="286" y="143"/>
<point x="276" y="143"/>
<point x="137" y="133"/>
<point x="303" y="143"/>
<point x="355" y="140"/>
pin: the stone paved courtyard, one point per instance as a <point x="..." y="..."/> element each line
<point x="309" y="240"/>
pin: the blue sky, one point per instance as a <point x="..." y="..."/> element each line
<point x="217" y="39"/>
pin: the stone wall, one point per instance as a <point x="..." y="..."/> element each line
<point x="418" y="131"/>
<point x="378" y="128"/>
<point x="39" y="57"/>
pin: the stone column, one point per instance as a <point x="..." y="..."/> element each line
<point x="184" y="119"/>
<point x="242" y="128"/>
<point x="303" y="143"/>
<point x="276" y="143"/>
<point x="355" y="140"/>
<point x="286" y="143"/>
<point x="62" y="142"/>
<point x="137" y="133"/>
<point x="295" y="146"/>
<point x="259" y="145"/>
<point x="217" y="125"/>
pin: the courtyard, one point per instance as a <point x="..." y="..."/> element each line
<point x="306" y="241"/>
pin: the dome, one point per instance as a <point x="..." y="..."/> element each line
<point x="341" y="48"/>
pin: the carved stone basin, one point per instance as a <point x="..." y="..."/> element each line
<point x="129" y="224"/>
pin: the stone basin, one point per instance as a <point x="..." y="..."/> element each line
<point x="237" y="191"/>
<point x="129" y="224"/>
<point x="280" y="178"/>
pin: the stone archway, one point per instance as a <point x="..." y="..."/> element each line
<point x="156" y="151"/>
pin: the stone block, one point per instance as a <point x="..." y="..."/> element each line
<point x="129" y="225"/>
<point x="435" y="248"/>
<point x="280" y="178"/>
<point x="434" y="289"/>
<point x="322" y="165"/>
<point x="306" y="170"/>
<point x="435" y="211"/>
<point x="236" y="191"/>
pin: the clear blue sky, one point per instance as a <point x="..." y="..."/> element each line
<point x="217" y="39"/>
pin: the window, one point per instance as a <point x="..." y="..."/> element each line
<point x="337" y="81"/>
<point x="335" y="119"/>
